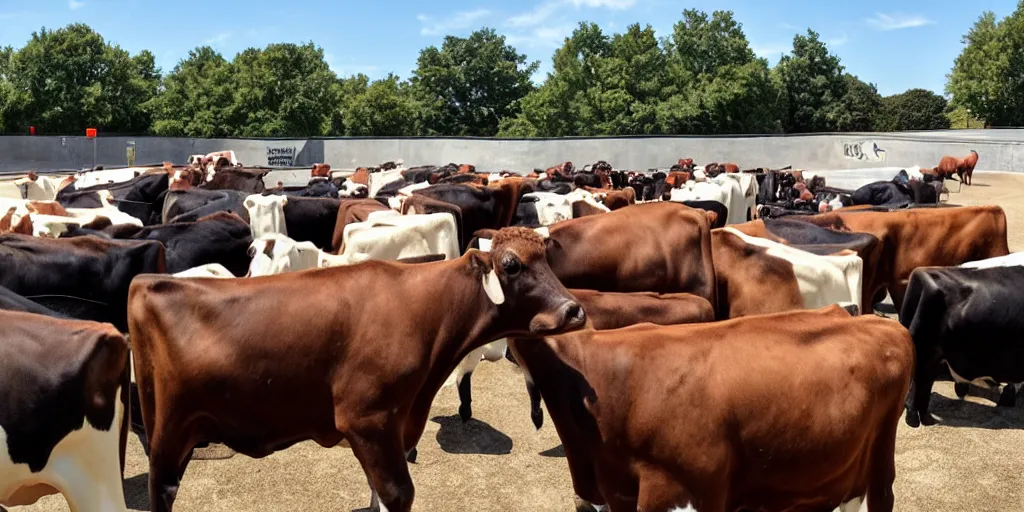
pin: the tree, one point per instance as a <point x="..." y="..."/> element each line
<point x="862" y="106"/>
<point x="197" y="97"/>
<point x="384" y="108"/>
<point x="987" y="76"/>
<point x="960" y="118"/>
<point x="70" y="78"/>
<point x="716" y="83"/>
<point x="283" y="90"/>
<point x="815" y="86"/>
<point x="11" y="99"/>
<point x="470" y="84"/>
<point x="916" y="109"/>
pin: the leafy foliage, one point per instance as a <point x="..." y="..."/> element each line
<point x="383" y="108"/>
<point x="987" y="76"/>
<point x="916" y="109"/>
<point x="66" y="80"/>
<point x="815" y="86"/>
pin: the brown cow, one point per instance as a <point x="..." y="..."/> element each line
<point x="270" y="371"/>
<point x="361" y="176"/>
<point x="963" y="168"/>
<point x="922" y="237"/>
<point x="321" y="171"/>
<point x="792" y="411"/>
<point x="608" y="310"/>
<point x="353" y="210"/>
<point x="23" y="226"/>
<point x="659" y="247"/>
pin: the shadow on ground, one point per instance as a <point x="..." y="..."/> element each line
<point x="967" y="413"/>
<point x="558" y="451"/>
<point x="136" y="492"/>
<point x="471" y="437"/>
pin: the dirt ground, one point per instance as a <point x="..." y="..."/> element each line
<point x="971" y="461"/>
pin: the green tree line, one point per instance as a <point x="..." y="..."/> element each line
<point x="703" y="78"/>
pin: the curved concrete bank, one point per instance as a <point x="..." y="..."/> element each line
<point x="1000" y="150"/>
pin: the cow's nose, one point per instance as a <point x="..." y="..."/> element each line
<point x="574" y="314"/>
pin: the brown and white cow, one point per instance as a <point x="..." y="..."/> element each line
<point x="922" y="237"/>
<point x="63" y="400"/>
<point x="792" y="411"/>
<point x="346" y="370"/>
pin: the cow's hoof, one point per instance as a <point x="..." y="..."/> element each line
<point x="465" y="412"/>
<point x="1008" y="398"/>
<point x="961" y="389"/>
<point x="411" y="456"/>
<point x="927" y="419"/>
<point x="913" y="421"/>
<point x="538" y="418"/>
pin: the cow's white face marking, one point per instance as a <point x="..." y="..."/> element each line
<point x="543" y="231"/>
<point x="855" y="505"/>
<point x="493" y="288"/>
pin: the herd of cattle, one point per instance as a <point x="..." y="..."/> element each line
<point x="702" y="338"/>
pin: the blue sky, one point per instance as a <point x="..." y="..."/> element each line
<point x="895" y="44"/>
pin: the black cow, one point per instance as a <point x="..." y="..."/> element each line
<point x="59" y="404"/>
<point x="192" y="204"/>
<point x="555" y="186"/>
<point x="218" y="238"/>
<point x="970" y="319"/>
<point x="721" y="211"/>
<point x="317" y="187"/>
<point x="85" y="277"/>
<point x="311" y="219"/>
<point x="10" y="301"/>
<point x="480" y="208"/>
<point x="140" y="197"/>
<point x="526" y="213"/>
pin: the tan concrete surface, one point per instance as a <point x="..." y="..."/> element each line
<point x="972" y="462"/>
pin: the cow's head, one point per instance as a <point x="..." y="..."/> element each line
<point x="516" y="277"/>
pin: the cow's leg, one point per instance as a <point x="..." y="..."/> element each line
<point x="463" y="381"/>
<point x="1008" y="398"/>
<point x="379" y="452"/>
<point x="168" y="458"/>
<point x="921" y="392"/>
<point x="961" y="389"/>
<point x="883" y="468"/>
<point x="536" y="412"/>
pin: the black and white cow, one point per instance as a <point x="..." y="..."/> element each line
<point x="970" y="319"/>
<point x="62" y="411"/>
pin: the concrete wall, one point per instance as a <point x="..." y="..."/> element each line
<point x="1000" y="150"/>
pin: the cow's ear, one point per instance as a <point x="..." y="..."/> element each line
<point x="479" y="261"/>
<point x="485" y="233"/>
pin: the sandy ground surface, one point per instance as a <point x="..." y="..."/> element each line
<point x="972" y="461"/>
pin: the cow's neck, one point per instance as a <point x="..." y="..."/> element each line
<point x="469" y="319"/>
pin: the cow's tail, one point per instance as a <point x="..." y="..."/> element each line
<point x="126" y="401"/>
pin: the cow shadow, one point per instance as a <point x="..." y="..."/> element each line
<point x="136" y="492"/>
<point x="471" y="437"/>
<point x="557" y="451"/>
<point x="965" y="413"/>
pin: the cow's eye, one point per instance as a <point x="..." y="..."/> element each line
<point x="512" y="265"/>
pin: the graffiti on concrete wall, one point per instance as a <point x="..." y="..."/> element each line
<point x="867" y="150"/>
<point x="281" y="156"/>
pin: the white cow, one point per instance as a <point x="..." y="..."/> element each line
<point x="391" y="236"/>
<point x="266" y="214"/>
<point x="722" y="189"/>
<point x="552" y="208"/>
<point x="91" y="178"/>
<point x="404" y="193"/>
<point x="823" y="280"/>
<point x="43" y="188"/>
<point x="748" y="185"/>
<point x="274" y="253"/>
<point x="1014" y="259"/>
<point x="377" y="180"/>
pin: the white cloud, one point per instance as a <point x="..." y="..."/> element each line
<point x="546" y="37"/>
<point x="459" y="21"/>
<point x="897" y="21"/>
<point x="838" y="41"/>
<point x="76" y="4"/>
<point x="771" y="50"/>
<point x="618" y="5"/>
<point x="218" y="39"/>
<point x="538" y="15"/>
